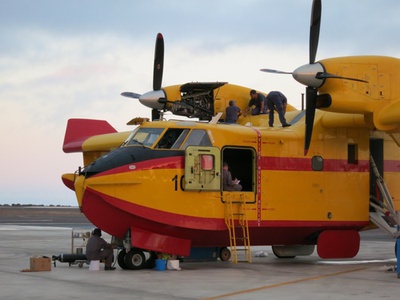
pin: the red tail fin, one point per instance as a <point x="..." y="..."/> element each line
<point x="79" y="130"/>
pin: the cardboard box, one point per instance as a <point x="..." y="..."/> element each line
<point x="39" y="264"/>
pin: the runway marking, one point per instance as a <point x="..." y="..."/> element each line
<point x="265" y="287"/>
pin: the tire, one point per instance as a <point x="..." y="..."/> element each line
<point x="151" y="261"/>
<point x="121" y="259"/>
<point x="224" y="254"/>
<point x="135" y="259"/>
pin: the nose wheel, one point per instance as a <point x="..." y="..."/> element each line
<point x="135" y="259"/>
<point x="121" y="259"/>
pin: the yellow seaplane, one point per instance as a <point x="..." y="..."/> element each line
<point x="315" y="184"/>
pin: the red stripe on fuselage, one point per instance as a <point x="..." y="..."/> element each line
<point x="116" y="217"/>
<point x="391" y="166"/>
<point x="304" y="164"/>
<point x="264" y="163"/>
<point x="259" y="181"/>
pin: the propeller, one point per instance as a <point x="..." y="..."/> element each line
<point x="312" y="92"/>
<point x="131" y="95"/>
<point x="154" y="99"/>
<point x="315" y="25"/>
<point x="307" y="74"/>
<point x="158" y="71"/>
<point x="158" y="62"/>
<point x="313" y="74"/>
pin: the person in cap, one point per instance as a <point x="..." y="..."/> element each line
<point x="232" y="112"/>
<point x="227" y="183"/>
<point x="98" y="249"/>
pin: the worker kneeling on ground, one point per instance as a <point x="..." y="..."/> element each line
<point x="98" y="249"/>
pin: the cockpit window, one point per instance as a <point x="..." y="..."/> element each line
<point x="145" y="136"/>
<point x="173" y="138"/>
<point x="197" y="137"/>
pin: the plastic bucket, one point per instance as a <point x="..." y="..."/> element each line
<point x="160" y="264"/>
<point x="173" y="264"/>
<point x="94" y="265"/>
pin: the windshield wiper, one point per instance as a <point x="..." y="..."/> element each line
<point x="140" y="143"/>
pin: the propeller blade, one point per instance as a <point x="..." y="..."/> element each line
<point x="322" y="75"/>
<point x="275" y="71"/>
<point x="158" y="62"/>
<point x="311" y="103"/>
<point x="314" y="29"/>
<point x="130" y="95"/>
<point x="155" y="114"/>
<point x="311" y="92"/>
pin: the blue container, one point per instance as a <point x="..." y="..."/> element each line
<point x="161" y="264"/>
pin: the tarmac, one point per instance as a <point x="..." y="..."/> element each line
<point x="370" y="275"/>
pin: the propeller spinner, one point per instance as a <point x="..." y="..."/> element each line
<point x="313" y="74"/>
<point x="152" y="99"/>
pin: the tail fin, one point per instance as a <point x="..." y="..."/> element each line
<point x="78" y="130"/>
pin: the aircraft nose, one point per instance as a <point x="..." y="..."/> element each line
<point x="307" y="75"/>
<point x="151" y="99"/>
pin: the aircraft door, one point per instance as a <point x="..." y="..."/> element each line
<point x="242" y="165"/>
<point x="376" y="151"/>
<point x="202" y="168"/>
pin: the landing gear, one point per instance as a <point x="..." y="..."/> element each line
<point x="151" y="261"/>
<point x="224" y="254"/>
<point x="121" y="259"/>
<point x="135" y="259"/>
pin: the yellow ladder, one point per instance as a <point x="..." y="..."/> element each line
<point x="237" y="224"/>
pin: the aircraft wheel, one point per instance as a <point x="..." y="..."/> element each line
<point x="121" y="259"/>
<point x="151" y="261"/>
<point x="224" y="254"/>
<point x="135" y="259"/>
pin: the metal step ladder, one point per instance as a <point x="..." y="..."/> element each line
<point x="237" y="224"/>
<point x="384" y="214"/>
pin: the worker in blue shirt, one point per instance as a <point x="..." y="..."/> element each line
<point x="256" y="103"/>
<point x="277" y="101"/>
<point x="232" y="112"/>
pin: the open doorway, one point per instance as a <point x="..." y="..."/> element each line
<point x="241" y="163"/>
<point x="376" y="151"/>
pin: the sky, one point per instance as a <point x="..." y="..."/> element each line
<point x="72" y="59"/>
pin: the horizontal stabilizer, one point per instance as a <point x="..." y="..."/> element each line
<point x="79" y="130"/>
